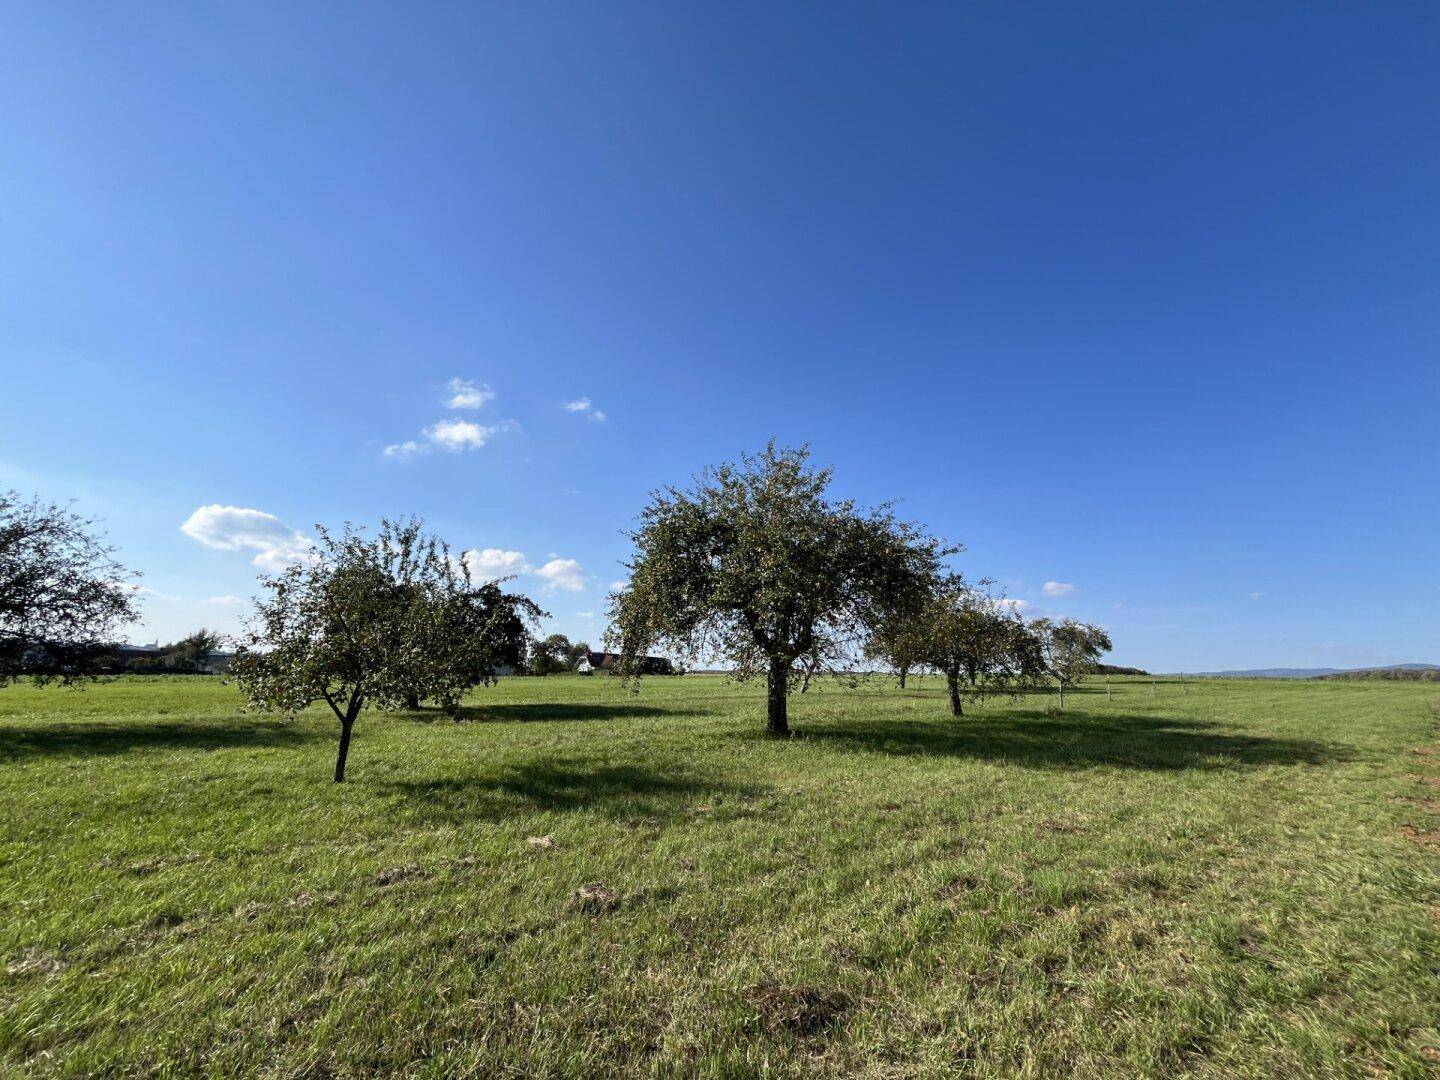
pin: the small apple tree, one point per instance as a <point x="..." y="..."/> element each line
<point x="977" y="641"/>
<point x="374" y="623"/>
<point x="1070" y="650"/>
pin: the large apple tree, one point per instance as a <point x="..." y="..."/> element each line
<point x="756" y="567"/>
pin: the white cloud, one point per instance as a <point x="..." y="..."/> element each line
<point x="491" y="564"/>
<point x="225" y="600"/>
<point x="454" y="433"/>
<point x="464" y="394"/>
<point x="585" y="614"/>
<point x="587" y="407"/>
<point x="458" y="434"/>
<point x="1020" y="607"/>
<point x="236" y="528"/>
<point x="619" y="585"/>
<point x="1057" y="588"/>
<point x="1256" y="595"/>
<point x="154" y="594"/>
<point x="562" y="574"/>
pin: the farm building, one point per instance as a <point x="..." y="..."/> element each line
<point x="607" y="661"/>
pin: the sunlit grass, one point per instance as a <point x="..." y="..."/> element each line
<point x="1215" y="881"/>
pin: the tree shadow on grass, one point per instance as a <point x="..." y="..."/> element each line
<point x="510" y="712"/>
<point x="1090" y="739"/>
<point x="89" y="738"/>
<point x="631" y="792"/>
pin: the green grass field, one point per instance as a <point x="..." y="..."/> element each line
<point x="1237" y="880"/>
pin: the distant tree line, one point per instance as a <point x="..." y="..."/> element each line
<point x="1391" y="674"/>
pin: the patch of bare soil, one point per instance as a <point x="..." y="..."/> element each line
<point x="596" y="898"/>
<point x="1058" y="825"/>
<point x="1420" y="836"/>
<point x="393" y="874"/>
<point x="805" y="1011"/>
<point x="965" y="883"/>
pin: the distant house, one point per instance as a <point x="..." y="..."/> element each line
<point x="216" y="663"/>
<point x="608" y="661"/>
<point x="139" y="658"/>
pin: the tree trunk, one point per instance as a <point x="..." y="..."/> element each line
<point x="1062" y="695"/>
<point x="347" y="724"/>
<point x="777" y="723"/>
<point x="954" y="683"/>
<point x="903" y="672"/>
<point x="412" y="699"/>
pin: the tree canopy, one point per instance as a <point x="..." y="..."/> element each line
<point x="898" y="643"/>
<point x="555" y="653"/>
<point x="1071" y="650"/>
<point x="976" y="640"/>
<point x="756" y="566"/>
<point x="191" y="651"/>
<point x="63" y="596"/>
<point x="375" y="623"/>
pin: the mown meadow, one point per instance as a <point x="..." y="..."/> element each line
<point x="1215" y="879"/>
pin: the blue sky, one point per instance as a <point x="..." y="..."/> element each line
<point x="1138" y="300"/>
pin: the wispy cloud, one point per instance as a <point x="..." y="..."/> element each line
<point x="1057" y="588"/>
<point x="465" y="394"/>
<point x="1256" y="595"/>
<point x="147" y="593"/>
<point x="454" y="433"/>
<point x="224" y="600"/>
<point x="586" y="407"/>
<point x="238" y="528"/>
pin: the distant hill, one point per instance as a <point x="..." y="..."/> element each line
<point x="1398" y="673"/>
<point x="1323" y="672"/>
<point x="1269" y="673"/>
